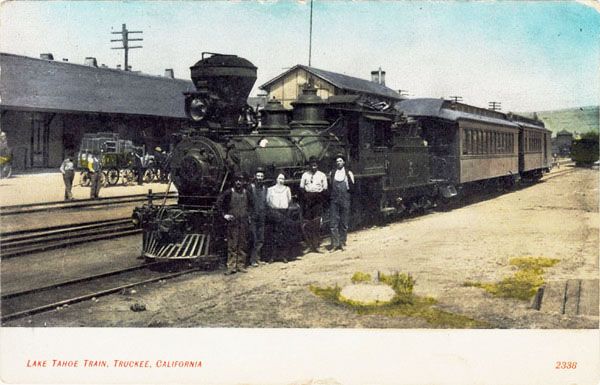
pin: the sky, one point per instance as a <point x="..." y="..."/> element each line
<point x="529" y="56"/>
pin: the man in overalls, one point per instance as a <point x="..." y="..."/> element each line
<point x="259" y="196"/>
<point x="342" y="183"/>
<point x="236" y="206"/>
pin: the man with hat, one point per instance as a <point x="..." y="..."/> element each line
<point x="259" y="197"/>
<point x="314" y="186"/>
<point x="67" y="169"/>
<point x="236" y="206"/>
<point x="342" y="183"/>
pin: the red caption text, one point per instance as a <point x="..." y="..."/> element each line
<point x="55" y="363"/>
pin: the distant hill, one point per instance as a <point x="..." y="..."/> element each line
<point x="580" y="120"/>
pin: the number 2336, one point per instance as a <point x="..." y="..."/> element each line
<point x="565" y="365"/>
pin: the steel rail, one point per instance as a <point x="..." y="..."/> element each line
<point x="8" y="236"/>
<point x="80" y="203"/>
<point x="83" y="297"/>
<point x="42" y="240"/>
<point x="75" y="281"/>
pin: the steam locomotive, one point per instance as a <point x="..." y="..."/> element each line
<point x="404" y="157"/>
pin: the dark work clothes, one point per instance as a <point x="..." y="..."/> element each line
<point x="284" y="235"/>
<point x="259" y="196"/>
<point x="238" y="204"/>
<point x="313" y="211"/>
<point x="95" y="184"/>
<point x="339" y="210"/>
<point x="313" y="205"/>
<point x="237" y="243"/>
<point x="68" y="177"/>
<point x="67" y="168"/>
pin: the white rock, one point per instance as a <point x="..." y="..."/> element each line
<point x="367" y="294"/>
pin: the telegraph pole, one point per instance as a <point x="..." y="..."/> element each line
<point x="126" y="47"/>
<point x="310" y="35"/>
<point x="495" y="106"/>
<point x="456" y="99"/>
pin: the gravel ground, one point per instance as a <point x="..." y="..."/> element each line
<point x="556" y="218"/>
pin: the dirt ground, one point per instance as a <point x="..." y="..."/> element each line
<point x="556" y="218"/>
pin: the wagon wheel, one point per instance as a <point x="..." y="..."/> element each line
<point x="6" y="171"/>
<point x="112" y="176"/>
<point x="84" y="179"/>
<point x="148" y="175"/>
<point x="103" y="179"/>
<point x="127" y="176"/>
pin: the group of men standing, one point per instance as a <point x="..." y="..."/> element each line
<point x="248" y="210"/>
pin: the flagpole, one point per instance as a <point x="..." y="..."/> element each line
<point x="310" y="35"/>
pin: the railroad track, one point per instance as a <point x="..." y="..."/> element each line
<point x="81" y="203"/>
<point x="53" y="297"/>
<point x="47" y="238"/>
<point x="555" y="174"/>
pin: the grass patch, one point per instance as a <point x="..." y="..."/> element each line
<point x="361" y="277"/>
<point x="404" y="304"/>
<point x="524" y="283"/>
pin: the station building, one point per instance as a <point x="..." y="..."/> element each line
<point x="48" y="105"/>
<point x="288" y="86"/>
<point x="561" y="144"/>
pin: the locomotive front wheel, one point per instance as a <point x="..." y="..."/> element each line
<point x="112" y="176"/>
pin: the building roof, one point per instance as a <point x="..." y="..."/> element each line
<point x="46" y="85"/>
<point x="342" y="81"/>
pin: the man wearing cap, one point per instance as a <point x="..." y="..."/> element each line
<point x="342" y="183"/>
<point x="314" y="186"/>
<point x="236" y="206"/>
<point x="259" y="196"/>
<point x="67" y="169"/>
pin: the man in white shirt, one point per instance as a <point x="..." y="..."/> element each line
<point x="314" y="186"/>
<point x="67" y="169"/>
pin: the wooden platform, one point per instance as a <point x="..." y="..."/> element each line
<point x="571" y="297"/>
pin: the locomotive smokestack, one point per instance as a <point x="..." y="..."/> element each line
<point x="223" y="83"/>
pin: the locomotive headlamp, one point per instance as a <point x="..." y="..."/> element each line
<point x="196" y="109"/>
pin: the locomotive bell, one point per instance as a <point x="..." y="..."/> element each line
<point x="275" y="116"/>
<point x="309" y="110"/>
